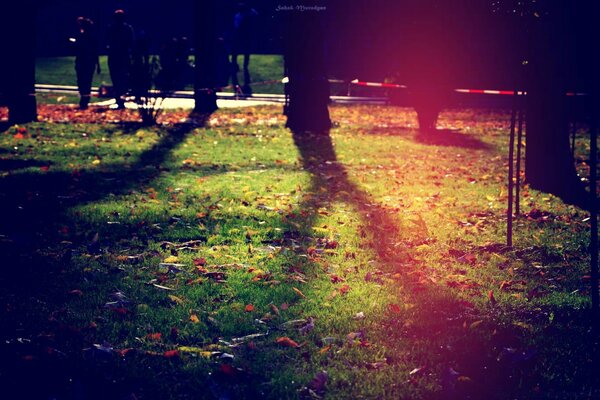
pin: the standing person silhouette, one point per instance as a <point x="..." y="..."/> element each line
<point x="120" y="45"/>
<point x="242" y="40"/>
<point x="86" y="59"/>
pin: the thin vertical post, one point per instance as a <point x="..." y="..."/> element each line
<point x="518" y="172"/>
<point x="572" y="100"/>
<point x="511" y="160"/>
<point x="594" y="211"/>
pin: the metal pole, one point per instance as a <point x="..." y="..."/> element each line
<point x="594" y="211"/>
<point x="573" y="137"/>
<point x="511" y="157"/>
<point x="518" y="173"/>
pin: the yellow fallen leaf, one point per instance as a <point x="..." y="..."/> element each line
<point x="299" y="292"/>
<point x="195" y="350"/>
<point x="171" y="259"/>
<point x="176" y="299"/>
<point x="475" y="324"/>
<point x="194" y="319"/>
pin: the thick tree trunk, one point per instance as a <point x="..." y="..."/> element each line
<point x="308" y="87"/>
<point x="206" y="52"/>
<point x="549" y="163"/>
<point x="18" y="31"/>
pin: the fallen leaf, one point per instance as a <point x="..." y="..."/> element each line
<point x="395" y="308"/>
<point x="286" y="342"/>
<point x="325" y="349"/>
<point x="171" y="354"/>
<point x="194" y="319"/>
<point x="157" y="337"/>
<point x="249" y="308"/>
<point x="298" y="292"/>
<point x="176" y="299"/>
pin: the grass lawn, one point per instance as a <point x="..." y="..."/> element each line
<point x="61" y="71"/>
<point x="232" y="260"/>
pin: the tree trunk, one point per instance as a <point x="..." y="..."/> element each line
<point x="308" y="87"/>
<point x="18" y="31"/>
<point x="549" y="164"/>
<point x="205" y="83"/>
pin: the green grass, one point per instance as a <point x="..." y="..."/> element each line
<point x="390" y="241"/>
<point x="61" y="71"/>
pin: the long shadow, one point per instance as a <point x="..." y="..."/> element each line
<point x="495" y="366"/>
<point x="32" y="209"/>
<point x="450" y="138"/>
<point x="437" y="137"/>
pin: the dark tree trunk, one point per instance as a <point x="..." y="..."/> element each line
<point x="18" y="33"/>
<point x="206" y="53"/>
<point x="549" y="163"/>
<point x="308" y="87"/>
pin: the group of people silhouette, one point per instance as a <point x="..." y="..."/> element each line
<point x="129" y="60"/>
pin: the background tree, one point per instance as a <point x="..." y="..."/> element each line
<point x="206" y="54"/>
<point x="305" y="67"/>
<point x="18" y="75"/>
<point x="557" y="44"/>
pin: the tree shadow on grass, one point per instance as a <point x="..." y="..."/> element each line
<point x="468" y="351"/>
<point x="437" y="137"/>
<point x="450" y="138"/>
<point x="35" y="263"/>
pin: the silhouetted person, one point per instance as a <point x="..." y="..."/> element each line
<point x="141" y="67"/>
<point x="120" y="45"/>
<point x="169" y="64"/>
<point x="182" y="60"/>
<point x="223" y="67"/>
<point x="86" y="59"/>
<point x="242" y="40"/>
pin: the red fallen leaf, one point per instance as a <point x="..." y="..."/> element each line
<point x="227" y="369"/>
<point x="336" y="279"/>
<point x="331" y="244"/>
<point x="154" y="336"/>
<point x="44" y="168"/>
<point x="197" y="281"/>
<point x="249" y="308"/>
<point x="286" y="342"/>
<point x="470" y="258"/>
<point x="284" y="306"/>
<point x="171" y="354"/>
<point x="251" y="345"/>
<point x="344" y="289"/>
<point x="200" y="262"/>
<point x="18" y="136"/>
<point x="76" y="292"/>
<point x="395" y="308"/>
<point x="22" y="130"/>
<point x="122" y="311"/>
<point x="124" y="352"/>
<point x="491" y="297"/>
